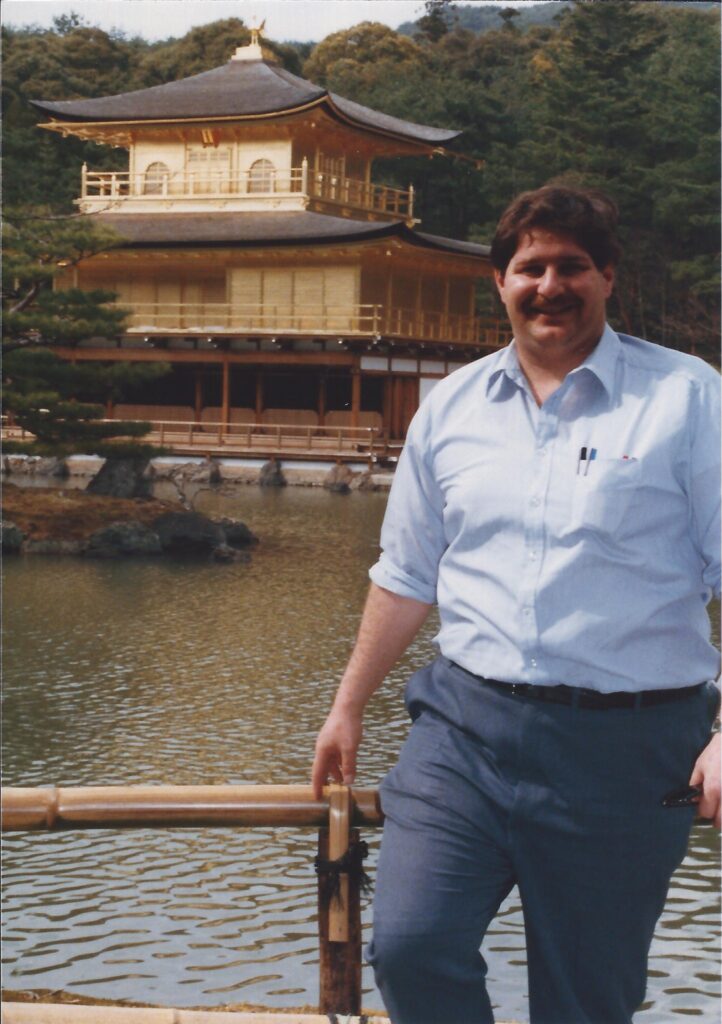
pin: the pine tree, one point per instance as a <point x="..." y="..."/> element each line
<point x="57" y="401"/>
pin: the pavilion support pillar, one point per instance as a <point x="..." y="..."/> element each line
<point x="225" y="396"/>
<point x="387" y="405"/>
<point x="447" y="311"/>
<point x="109" y="409"/>
<point x="388" y="325"/>
<point x="322" y="400"/>
<point x="198" y="376"/>
<point x="355" y="395"/>
<point x="396" y="397"/>
<point x="259" y="397"/>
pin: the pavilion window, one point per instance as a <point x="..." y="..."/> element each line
<point x="209" y="169"/>
<point x="261" y="176"/>
<point x="155" y="175"/>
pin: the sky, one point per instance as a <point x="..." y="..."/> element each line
<point x="297" y="20"/>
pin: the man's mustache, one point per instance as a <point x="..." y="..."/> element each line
<point x="550" y="307"/>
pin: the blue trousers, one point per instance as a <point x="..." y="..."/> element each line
<point x="493" y="790"/>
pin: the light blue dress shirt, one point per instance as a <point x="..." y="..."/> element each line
<point x="549" y="567"/>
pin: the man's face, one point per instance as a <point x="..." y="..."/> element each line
<point x="555" y="297"/>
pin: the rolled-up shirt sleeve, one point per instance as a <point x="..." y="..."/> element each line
<point x="412" y="536"/>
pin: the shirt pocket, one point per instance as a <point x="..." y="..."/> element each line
<point x="602" y="496"/>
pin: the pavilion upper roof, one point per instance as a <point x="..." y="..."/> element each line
<point x="240" y="89"/>
<point x="179" y="230"/>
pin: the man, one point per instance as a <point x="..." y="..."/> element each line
<point x="559" y="501"/>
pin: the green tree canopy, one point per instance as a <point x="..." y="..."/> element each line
<point x="367" y="56"/>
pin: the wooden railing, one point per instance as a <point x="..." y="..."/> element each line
<point x="340" y="852"/>
<point x="351" y="444"/>
<point x="361" y="443"/>
<point x="188" y="184"/>
<point x="333" y="188"/>
<point x="258" y="317"/>
<point x="303" y="319"/>
<point x="292" y="181"/>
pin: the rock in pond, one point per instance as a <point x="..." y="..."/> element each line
<point x="208" y="472"/>
<point x="225" y="553"/>
<point x="122" y="478"/>
<point x="271" y="475"/>
<point x="339" y="479"/>
<point x="12" y="537"/>
<point x="34" y="465"/>
<point x="123" y="538"/>
<point x="188" y="532"/>
<point x="237" y="533"/>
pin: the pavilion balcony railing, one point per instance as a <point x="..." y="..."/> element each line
<point x="248" y="185"/>
<point x="238" y="436"/>
<point x="362" y="443"/>
<point x="219" y="319"/>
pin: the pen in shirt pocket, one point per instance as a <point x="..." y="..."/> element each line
<point x="586" y="455"/>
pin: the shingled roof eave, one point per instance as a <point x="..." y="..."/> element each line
<point x="332" y="109"/>
<point x="307" y="95"/>
<point x="358" y="233"/>
<point x="79" y="119"/>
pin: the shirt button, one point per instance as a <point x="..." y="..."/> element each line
<point x="532" y="555"/>
<point x="533" y="662"/>
<point x="535" y="502"/>
<point x="527" y="610"/>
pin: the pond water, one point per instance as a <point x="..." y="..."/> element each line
<point x="150" y="672"/>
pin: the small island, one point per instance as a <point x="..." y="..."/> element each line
<point x="57" y="521"/>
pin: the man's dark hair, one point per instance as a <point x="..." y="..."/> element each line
<point x="587" y="215"/>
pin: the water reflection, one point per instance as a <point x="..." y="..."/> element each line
<point x="150" y="672"/>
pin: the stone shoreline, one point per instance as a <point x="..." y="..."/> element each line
<point x="293" y="473"/>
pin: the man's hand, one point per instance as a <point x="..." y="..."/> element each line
<point x="336" y="748"/>
<point x="707" y="773"/>
<point x="388" y="625"/>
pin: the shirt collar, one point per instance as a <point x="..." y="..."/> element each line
<point x="507" y="369"/>
<point x="602" y="362"/>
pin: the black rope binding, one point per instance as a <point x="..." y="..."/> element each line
<point x="351" y="864"/>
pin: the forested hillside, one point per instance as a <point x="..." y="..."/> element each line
<point x="494" y="16"/>
<point x="619" y="94"/>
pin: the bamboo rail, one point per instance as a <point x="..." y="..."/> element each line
<point x="58" y="808"/>
<point x="339" y="904"/>
<point x="58" y="1013"/>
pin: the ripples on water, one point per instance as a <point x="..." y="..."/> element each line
<point x="190" y="673"/>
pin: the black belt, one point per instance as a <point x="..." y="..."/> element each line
<point x="580" y="696"/>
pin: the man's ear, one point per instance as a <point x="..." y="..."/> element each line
<point x="499" y="282"/>
<point x="608" y="273"/>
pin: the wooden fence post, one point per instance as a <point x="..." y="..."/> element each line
<point x="339" y="912"/>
